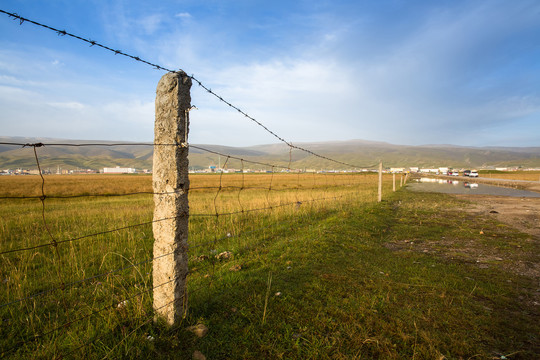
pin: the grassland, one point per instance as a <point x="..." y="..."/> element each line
<point x="341" y="284"/>
<point x="512" y="175"/>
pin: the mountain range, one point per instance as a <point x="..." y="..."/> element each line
<point x="83" y="154"/>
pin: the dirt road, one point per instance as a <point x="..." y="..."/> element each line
<point x="522" y="214"/>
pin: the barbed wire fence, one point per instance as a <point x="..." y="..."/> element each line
<point x="108" y="269"/>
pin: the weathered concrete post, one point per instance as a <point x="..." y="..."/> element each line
<point x="171" y="185"/>
<point x="394" y="182"/>
<point x="401" y="181"/>
<point x="379" y="197"/>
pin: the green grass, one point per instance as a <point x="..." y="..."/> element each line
<point x="347" y="295"/>
<point x="351" y="284"/>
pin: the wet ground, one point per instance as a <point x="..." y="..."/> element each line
<point x="467" y="187"/>
<point x="519" y="209"/>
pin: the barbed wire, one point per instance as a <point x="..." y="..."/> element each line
<point x="243" y="210"/>
<point x="21" y="19"/>
<point x="64" y="287"/>
<point x="216" y="214"/>
<point x="85" y="236"/>
<point x="40" y="144"/>
<point x="59" y="32"/>
<point x="53" y="243"/>
<point x="58" y="242"/>
<point x="293" y="203"/>
<point x="147" y="317"/>
<point x="192" y="189"/>
<point x="69" y="323"/>
<point x="198" y="147"/>
<point x="150" y="315"/>
<point x="227" y="156"/>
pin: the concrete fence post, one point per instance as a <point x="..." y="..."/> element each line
<point x="171" y="184"/>
<point x="394" y="182"/>
<point x="379" y="197"/>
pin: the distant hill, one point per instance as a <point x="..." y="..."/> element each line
<point x="361" y="153"/>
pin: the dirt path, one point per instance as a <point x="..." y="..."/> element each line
<point x="520" y="213"/>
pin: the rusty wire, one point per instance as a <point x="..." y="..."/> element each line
<point x="54" y="242"/>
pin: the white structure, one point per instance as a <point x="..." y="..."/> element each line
<point x="434" y="171"/>
<point x="119" y="170"/>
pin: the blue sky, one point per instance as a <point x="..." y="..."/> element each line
<point x="405" y="72"/>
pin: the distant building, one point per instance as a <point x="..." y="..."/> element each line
<point x="119" y="170"/>
<point x="444" y="170"/>
<point x="434" y="171"/>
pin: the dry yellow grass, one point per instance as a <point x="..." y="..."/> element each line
<point x="101" y="184"/>
<point x="67" y="185"/>
<point x="517" y="175"/>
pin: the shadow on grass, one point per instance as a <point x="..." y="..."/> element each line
<point x="339" y="292"/>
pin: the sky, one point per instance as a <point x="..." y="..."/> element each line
<point x="461" y="72"/>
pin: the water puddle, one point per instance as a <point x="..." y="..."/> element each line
<point x="466" y="187"/>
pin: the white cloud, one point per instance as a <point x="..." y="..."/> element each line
<point x="9" y="80"/>
<point x="70" y="105"/>
<point x="132" y="112"/>
<point x="151" y="23"/>
<point x="17" y="97"/>
<point x="447" y="76"/>
<point x="300" y="100"/>
<point x="183" y="15"/>
<point x="446" y="71"/>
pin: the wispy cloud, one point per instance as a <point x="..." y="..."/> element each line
<point x="72" y="105"/>
<point x="405" y="72"/>
<point x="183" y="15"/>
<point x="150" y="23"/>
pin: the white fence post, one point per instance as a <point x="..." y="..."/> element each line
<point x="171" y="184"/>
<point x="379" y="197"/>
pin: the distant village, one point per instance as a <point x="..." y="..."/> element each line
<point x="215" y="169"/>
<point x="60" y="171"/>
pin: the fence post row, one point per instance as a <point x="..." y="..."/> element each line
<point x="171" y="184"/>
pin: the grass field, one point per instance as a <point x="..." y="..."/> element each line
<point x="512" y="175"/>
<point x="319" y="277"/>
